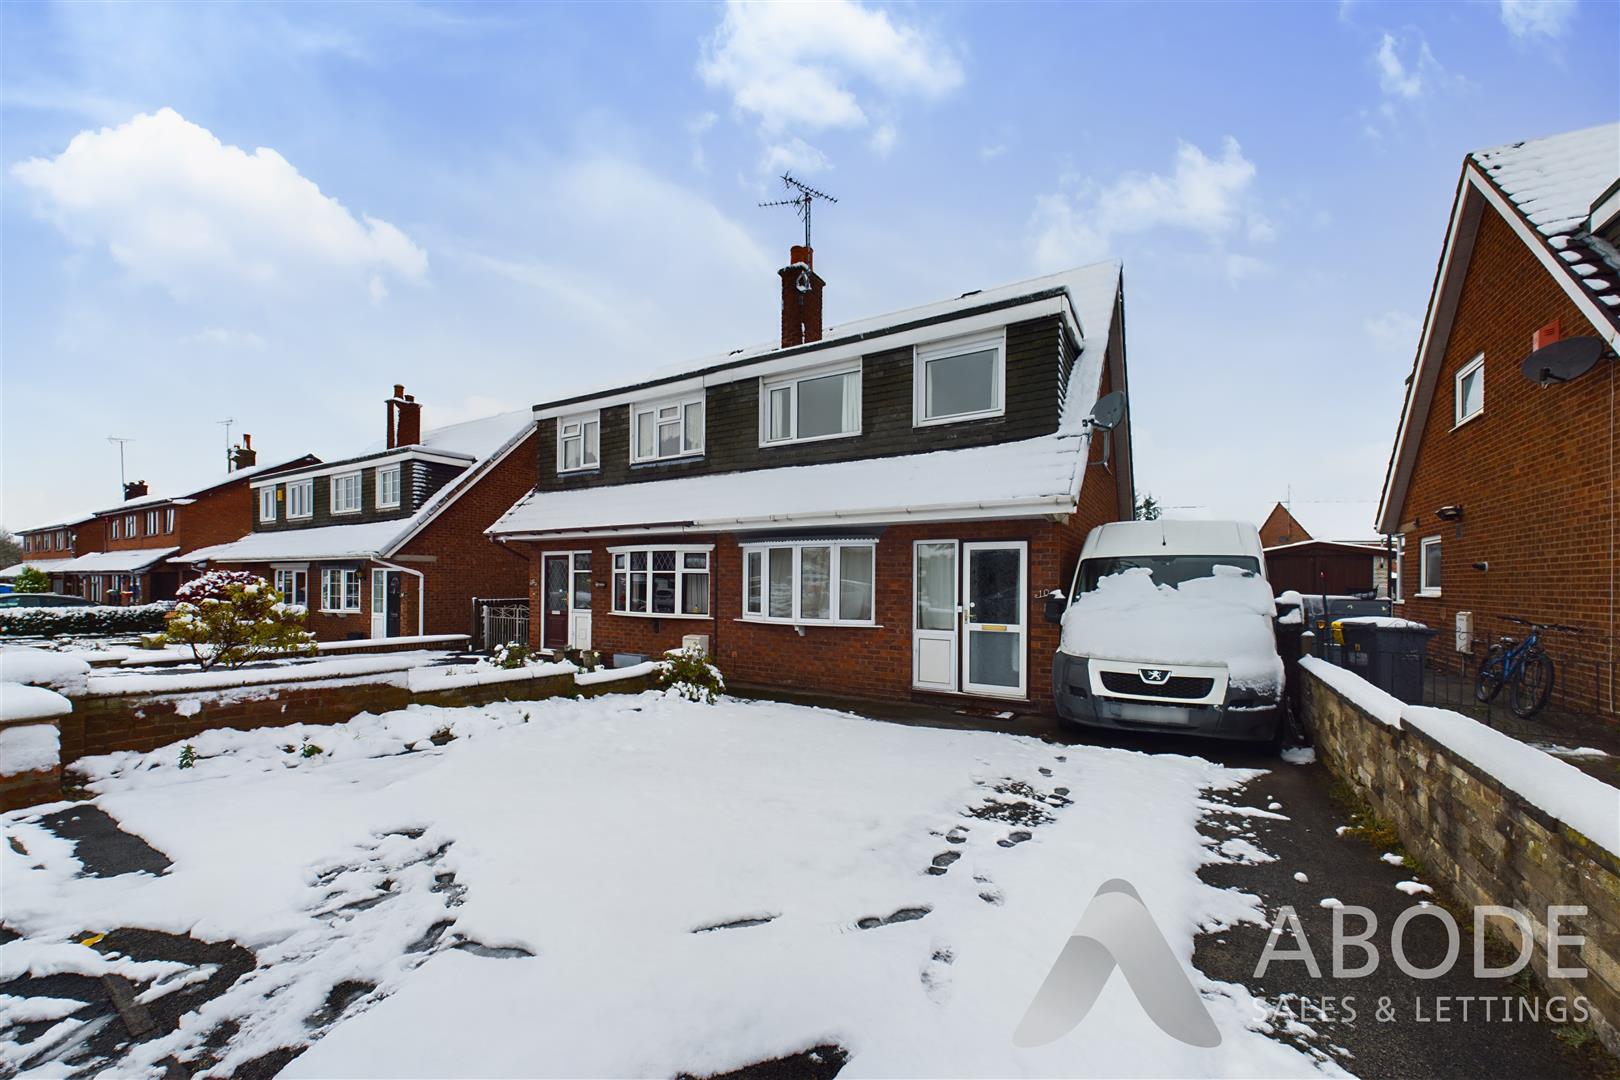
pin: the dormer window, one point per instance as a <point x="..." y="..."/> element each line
<point x="960" y="380"/>
<point x="667" y="429"/>
<point x="345" y="496"/>
<point x="823" y="404"/>
<point x="267" y="503"/>
<point x="579" y="442"/>
<point x="388" y="486"/>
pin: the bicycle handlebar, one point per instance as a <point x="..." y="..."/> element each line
<point x="1559" y="628"/>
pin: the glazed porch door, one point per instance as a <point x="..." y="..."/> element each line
<point x="994" y="618"/>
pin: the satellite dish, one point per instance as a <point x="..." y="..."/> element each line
<point x="1563" y="360"/>
<point x="1109" y="411"/>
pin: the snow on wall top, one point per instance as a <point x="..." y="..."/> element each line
<point x="1553" y="182"/>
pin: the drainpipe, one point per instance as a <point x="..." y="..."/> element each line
<point x="421" y="592"/>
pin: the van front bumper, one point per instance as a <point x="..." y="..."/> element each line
<point x="1077" y="703"/>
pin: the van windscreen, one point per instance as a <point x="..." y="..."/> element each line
<point x="1169" y="570"/>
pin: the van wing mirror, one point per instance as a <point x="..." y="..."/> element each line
<point x="1056" y="605"/>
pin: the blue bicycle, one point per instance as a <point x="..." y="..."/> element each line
<point x="1521" y="664"/>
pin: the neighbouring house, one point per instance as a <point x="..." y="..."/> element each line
<point x="49" y="548"/>
<point x="141" y="540"/>
<point x="390" y="542"/>
<point x="1502" y="485"/>
<point x="1298" y="561"/>
<point x="878" y="510"/>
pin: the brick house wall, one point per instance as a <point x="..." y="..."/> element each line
<point x="1534" y="473"/>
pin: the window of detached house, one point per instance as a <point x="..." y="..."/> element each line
<point x="388" y="486"/>
<point x="669" y="581"/>
<point x="340" y="590"/>
<point x="579" y="442"/>
<point x="1429" y="567"/>
<point x="168" y="520"/>
<point x="820" y="405"/>
<point x="960" y="380"/>
<point x="152" y="519"/>
<point x="293" y="585"/>
<point x="300" y="499"/>
<point x="345" y="495"/>
<point x="132" y="526"/>
<point x="267" y="503"/>
<point x="1470" y="390"/>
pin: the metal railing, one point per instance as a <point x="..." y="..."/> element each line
<point x="502" y="621"/>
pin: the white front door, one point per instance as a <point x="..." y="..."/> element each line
<point x="934" y="618"/>
<point x="379" y="603"/>
<point x="994" y="617"/>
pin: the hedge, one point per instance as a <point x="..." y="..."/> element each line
<point x="54" y="621"/>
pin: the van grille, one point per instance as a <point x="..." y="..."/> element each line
<point x="1184" y="687"/>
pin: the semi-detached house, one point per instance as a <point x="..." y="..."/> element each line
<point x="878" y="510"/>
<point x="390" y="542"/>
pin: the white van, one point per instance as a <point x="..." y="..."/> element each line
<point x="1169" y="626"/>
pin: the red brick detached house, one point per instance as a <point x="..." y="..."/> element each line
<point x="1501" y="488"/>
<point x="390" y="542"/>
<point x="876" y="511"/>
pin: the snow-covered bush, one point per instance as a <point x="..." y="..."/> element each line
<point x="248" y="621"/>
<point x="84" y="621"/>
<point x="512" y="656"/>
<point x="31" y="579"/>
<point x="214" y="585"/>
<point x="688" y="674"/>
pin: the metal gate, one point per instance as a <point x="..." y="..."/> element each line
<point x="501" y="622"/>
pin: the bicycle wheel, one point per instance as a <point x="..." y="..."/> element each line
<point x="1533" y="686"/>
<point x="1488" y="683"/>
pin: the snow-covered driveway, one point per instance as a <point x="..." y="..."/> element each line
<point x="550" y="893"/>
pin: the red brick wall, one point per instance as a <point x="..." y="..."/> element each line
<point x="1535" y="475"/>
<point x="466" y="563"/>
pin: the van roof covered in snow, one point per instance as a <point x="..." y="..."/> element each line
<point x="1172" y="537"/>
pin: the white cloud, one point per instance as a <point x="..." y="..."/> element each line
<point x="1394" y="331"/>
<point x="1395" y="79"/>
<point x="883" y="140"/>
<point x="1537" y="18"/>
<point x="175" y="206"/>
<point x="793" y="155"/>
<point x="1203" y="195"/>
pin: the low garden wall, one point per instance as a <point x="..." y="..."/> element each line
<point x="1495" y="822"/>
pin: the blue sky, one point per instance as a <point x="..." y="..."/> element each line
<point x="494" y="204"/>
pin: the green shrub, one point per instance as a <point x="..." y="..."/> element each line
<point x="32" y="579"/>
<point x="247" y="621"/>
<point x="512" y="656"/>
<point x="83" y="621"/>
<point x="689" y="674"/>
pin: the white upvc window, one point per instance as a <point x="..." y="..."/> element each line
<point x="117" y="528"/>
<point x="964" y="379"/>
<point x="1398" y="593"/>
<point x="293" y="585"/>
<point x="811" y="581"/>
<point x="579" y="442"/>
<point x="340" y="591"/>
<point x="672" y="428"/>
<point x="300" y="499"/>
<point x="1429" y="567"/>
<point x="132" y="525"/>
<point x="61" y="540"/>
<point x="806" y="406"/>
<point x="152" y="519"/>
<point x="168" y="520"/>
<point x="388" y="486"/>
<point x="345" y="496"/>
<point x="663" y="582"/>
<point x="1470" y="389"/>
<point x="267" y="503"/>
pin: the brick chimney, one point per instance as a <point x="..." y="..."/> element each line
<point x="404" y="418"/>
<point x="244" y="456"/>
<point x="801" y="298"/>
<point x="134" y="489"/>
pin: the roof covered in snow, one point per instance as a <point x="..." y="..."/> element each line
<point x="218" y="481"/>
<point x="1554" y="182"/>
<point x="483" y="442"/>
<point x="1032" y="476"/>
<point x="128" y="561"/>
<point x="44" y="566"/>
<point x="1547" y="190"/>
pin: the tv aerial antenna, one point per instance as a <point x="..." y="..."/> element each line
<point x="120" y="441"/>
<point x="802" y="202"/>
<point x="226" y="424"/>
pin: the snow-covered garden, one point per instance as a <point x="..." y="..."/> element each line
<point x="626" y="885"/>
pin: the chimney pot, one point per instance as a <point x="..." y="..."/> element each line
<point x="399" y="390"/>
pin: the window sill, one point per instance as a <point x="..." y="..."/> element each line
<point x="653" y="463"/>
<point x="807" y="624"/>
<point x="664" y="615"/>
<point x="959" y="419"/>
<point x="382" y="506"/>
<point x="1426" y="595"/>
<point x="1468" y="419"/>
<point x="340" y="611"/>
<point x="585" y="470"/>
<point x="767" y="444"/>
<point x="344" y="513"/>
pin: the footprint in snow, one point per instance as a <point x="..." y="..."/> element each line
<point x="942" y="862"/>
<point x="936" y="976"/>
<point x="1014" y="838"/>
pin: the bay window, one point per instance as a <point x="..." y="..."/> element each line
<point x="801" y="408"/>
<point x="345" y="497"/>
<point x="579" y="442"/>
<point x="340" y="590"/>
<point x="667" y="429"/>
<point x="671" y="581"/>
<point x="300" y="499"/>
<point x="810" y="581"/>
<point x="959" y="380"/>
<point x="388" y="486"/>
